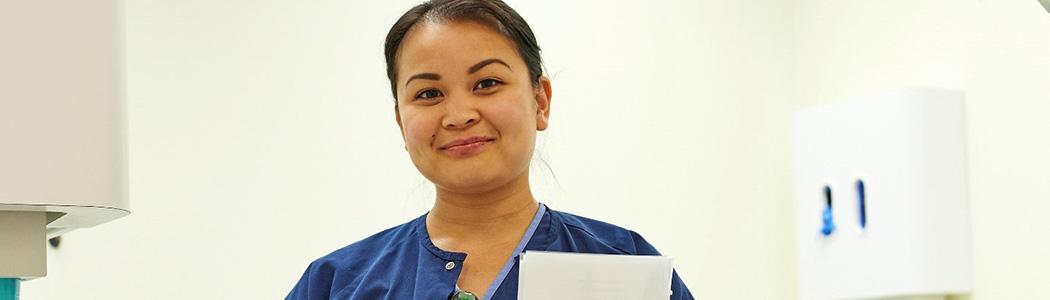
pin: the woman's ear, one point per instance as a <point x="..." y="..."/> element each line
<point x="543" y="103"/>
<point x="397" y="117"/>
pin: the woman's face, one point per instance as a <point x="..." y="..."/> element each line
<point x="466" y="107"/>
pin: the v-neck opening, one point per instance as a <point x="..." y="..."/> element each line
<point x="459" y="256"/>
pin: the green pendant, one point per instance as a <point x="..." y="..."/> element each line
<point x="464" y="295"/>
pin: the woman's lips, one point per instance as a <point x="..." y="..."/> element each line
<point x="467" y="146"/>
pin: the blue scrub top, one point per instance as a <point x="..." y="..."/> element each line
<point x="402" y="262"/>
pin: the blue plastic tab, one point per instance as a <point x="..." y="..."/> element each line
<point x="829" y="223"/>
<point x="827" y="217"/>
<point x="862" y="205"/>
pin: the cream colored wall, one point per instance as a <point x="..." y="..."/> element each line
<point x="262" y="137"/>
<point x="996" y="51"/>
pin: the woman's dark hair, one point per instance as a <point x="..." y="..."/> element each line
<point x="493" y="13"/>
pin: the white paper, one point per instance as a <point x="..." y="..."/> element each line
<point x="558" y="275"/>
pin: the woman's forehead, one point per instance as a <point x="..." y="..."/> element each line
<point x="439" y="46"/>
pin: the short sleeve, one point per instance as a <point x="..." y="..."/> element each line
<point x="315" y="283"/>
<point x="678" y="289"/>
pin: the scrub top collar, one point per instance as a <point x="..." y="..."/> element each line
<point x="528" y="241"/>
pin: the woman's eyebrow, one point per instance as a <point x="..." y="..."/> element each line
<point x="428" y="76"/>
<point x="472" y="70"/>
<point x="486" y="62"/>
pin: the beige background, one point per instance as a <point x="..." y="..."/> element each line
<point x="262" y="136"/>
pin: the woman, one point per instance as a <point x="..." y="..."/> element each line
<point x="470" y="96"/>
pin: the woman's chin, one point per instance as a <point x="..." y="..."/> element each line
<point x="473" y="176"/>
<point x="470" y="182"/>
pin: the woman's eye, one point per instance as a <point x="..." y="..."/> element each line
<point x="487" y="83"/>
<point x="428" y="94"/>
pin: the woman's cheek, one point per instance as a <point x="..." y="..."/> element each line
<point x="510" y="117"/>
<point x="419" y="131"/>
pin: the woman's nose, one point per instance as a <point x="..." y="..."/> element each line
<point x="459" y="122"/>
<point x="460" y="114"/>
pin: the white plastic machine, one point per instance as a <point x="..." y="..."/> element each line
<point x="62" y="127"/>
<point x="881" y="205"/>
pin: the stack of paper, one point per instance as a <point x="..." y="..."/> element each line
<point x="556" y="275"/>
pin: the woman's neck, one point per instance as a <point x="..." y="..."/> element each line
<point x="495" y="216"/>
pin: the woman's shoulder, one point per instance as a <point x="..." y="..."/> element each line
<point x="364" y="252"/>
<point x="582" y="234"/>
<point x="375" y="245"/>
<point x="341" y="268"/>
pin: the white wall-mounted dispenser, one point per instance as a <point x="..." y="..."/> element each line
<point x="62" y="126"/>
<point x="881" y="197"/>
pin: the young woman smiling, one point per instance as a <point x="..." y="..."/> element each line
<point x="470" y="96"/>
